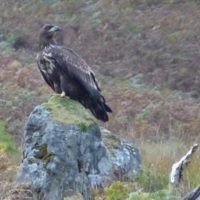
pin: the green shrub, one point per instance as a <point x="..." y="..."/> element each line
<point x="7" y="143"/>
<point x="161" y="194"/>
<point x="118" y="191"/>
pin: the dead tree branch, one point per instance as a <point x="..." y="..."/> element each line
<point x="177" y="168"/>
<point x="194" y="195"/>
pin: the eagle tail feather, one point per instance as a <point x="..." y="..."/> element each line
<point x="99" y="111"/>
<point x="98" y="105"/>
<point x="107" y="108"/>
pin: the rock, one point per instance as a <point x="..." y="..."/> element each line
<point x="66" y="153"/>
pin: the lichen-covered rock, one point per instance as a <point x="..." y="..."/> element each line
<point x="67" y="111"/>
<point x="65" y="152"/>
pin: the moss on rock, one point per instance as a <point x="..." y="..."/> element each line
<point x="44" y="154"/>
<point x="111" y="141"/>
<point x="68" y="111"/>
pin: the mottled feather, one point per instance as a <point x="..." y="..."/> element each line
<point x="69" y="60"/>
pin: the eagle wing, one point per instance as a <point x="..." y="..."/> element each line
<point x="39" y="62"/>
<point x="69" y="62"/>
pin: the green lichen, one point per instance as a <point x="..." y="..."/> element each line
<point x="47" y="158"/>
<point x="43" y="150"/>
<point x="7" y="143"/>
<point x="44" y="155"/>
<point x="111" y="153"/>
<point x="111" y="141"/>
<point x="68" y="111"/>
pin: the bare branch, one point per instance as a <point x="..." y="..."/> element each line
<point x="194" y="194"/>
<point x="177" y="168"/>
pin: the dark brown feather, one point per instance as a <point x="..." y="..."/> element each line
<point x="65" y="71"/>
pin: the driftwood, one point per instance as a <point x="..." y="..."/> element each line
<point x="178" y="167"/>
<point x="177" y="173"/>
<point x="194" y="195"/>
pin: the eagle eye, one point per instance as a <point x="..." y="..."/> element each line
<point x="48" y="27"/>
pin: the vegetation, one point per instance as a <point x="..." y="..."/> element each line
<point x="7" y="143"/>
<point x="145" y="54"/>
<point x="9" y="158"/>
<point x="118" y="190"/>
<point x="65" y="111"/>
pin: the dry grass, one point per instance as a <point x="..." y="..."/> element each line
<point x="8" y="168"/>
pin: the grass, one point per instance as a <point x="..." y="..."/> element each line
<point x="7" y="142"/>
<point x="156" y="171"/>
<point x="9" y="156"/>
<point x="118" y="190"/>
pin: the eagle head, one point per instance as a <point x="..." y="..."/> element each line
<point x="47" y="35"/>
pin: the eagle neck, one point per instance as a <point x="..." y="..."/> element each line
<point x="47" y="43"/>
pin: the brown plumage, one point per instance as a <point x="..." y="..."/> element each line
<point x="68" y="74"/>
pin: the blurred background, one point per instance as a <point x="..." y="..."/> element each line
<point x="146" y="55"/>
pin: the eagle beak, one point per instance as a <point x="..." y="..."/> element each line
<point x="54" y="29"/>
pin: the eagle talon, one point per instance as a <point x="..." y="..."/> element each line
<point x="62" y="94"/>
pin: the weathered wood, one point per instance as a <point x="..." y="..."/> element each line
<point x="194" y="195"/>
<point x="178" y="167"/>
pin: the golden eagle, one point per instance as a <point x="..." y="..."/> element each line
<point x="68" y="74"/>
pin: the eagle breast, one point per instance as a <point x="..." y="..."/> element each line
<point x="47" y="65"/>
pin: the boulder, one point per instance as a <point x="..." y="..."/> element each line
<point x="67" y="153"/>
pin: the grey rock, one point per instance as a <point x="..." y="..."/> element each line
<point x="62" y="159"/>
